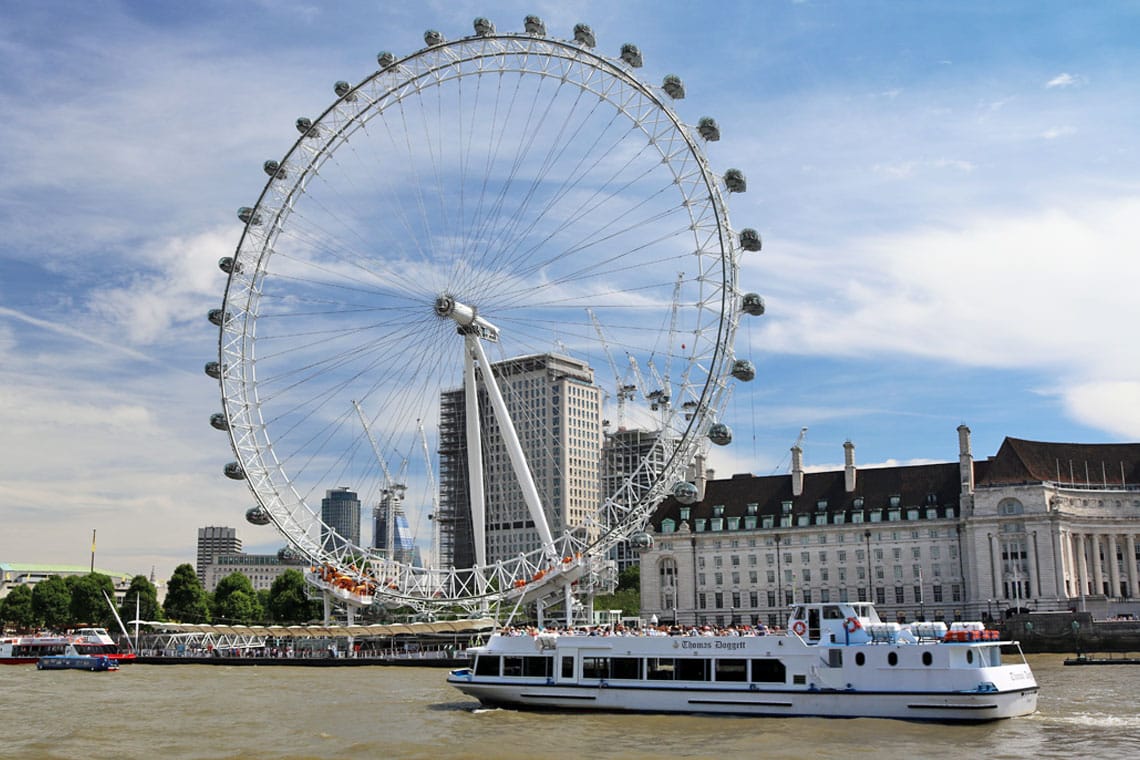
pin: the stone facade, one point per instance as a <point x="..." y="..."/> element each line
<point x="1037" y="527"/>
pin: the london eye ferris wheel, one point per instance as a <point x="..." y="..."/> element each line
<point x="468" y="218"/>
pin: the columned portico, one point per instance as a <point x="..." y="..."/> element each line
<point x="1097" y="566"/>
<point x="1113" y="567"/>
<point x="1130" y="563"/>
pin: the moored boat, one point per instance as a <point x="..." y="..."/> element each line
<point x="25" y="650"/>
<point x="96" y="641"/>
<point x="835" y="660"/>
<point x="92" y="662"/>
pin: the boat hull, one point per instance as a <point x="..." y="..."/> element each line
<point x="918" y="706"/>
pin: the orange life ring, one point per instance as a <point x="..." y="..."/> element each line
<point x="799" y="628"/>
<point x="851" y="624"/>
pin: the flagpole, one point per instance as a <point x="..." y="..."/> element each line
<point x="92" y="550"/>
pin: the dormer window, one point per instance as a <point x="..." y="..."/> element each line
<point x="858" y="503"/>
<point x="753" y="508"/>
<point x="896" y="500"/>
<point x="718" y="510"/>
<point x="685" y="512"/>
<point x="821" y="505"/>
<point x="786" y="507"/>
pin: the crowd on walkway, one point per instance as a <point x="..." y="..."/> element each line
<point x="647" y="630"/>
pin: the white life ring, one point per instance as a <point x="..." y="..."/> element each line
<point x="799" y="628"/>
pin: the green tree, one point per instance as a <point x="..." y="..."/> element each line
<point x="16" y="608"/>
<point x="288" y="602"/>
<point x="142" y="597"/>
<point x="51" y="603"/>
<point x="627" y="596"/>
<point x="235" y="601"/>
<point x="89" y="594"/>
<point x="186" y="599"/>
<point x="630" y="578"/>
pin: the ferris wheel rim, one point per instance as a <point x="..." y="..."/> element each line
<point x="241" y="399"/>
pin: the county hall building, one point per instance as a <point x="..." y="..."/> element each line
<point x="1036" y="527"/>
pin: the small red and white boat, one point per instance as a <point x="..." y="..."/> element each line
<point x="26" y="650"/>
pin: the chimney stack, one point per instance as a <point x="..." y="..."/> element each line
<point x="797" y="471"/>
<point x="849" y="467"/>
<point x="965" y="461"/>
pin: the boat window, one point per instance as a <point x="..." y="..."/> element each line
<point x="731" y="670"/>
<point x="512" y="666"/>
<point x="927" y="658"/>
<point x="538" y="667"/>
<point x="893" y="659"/>
<point x="835" y="658"/>
<point x="567" y="667"/>
<point x="768" y="671"/>
<point x="969" y="655"/>
<point x="693" y="669"/>
<point x="860" y="658"/>
<point x="487" y="665"/>
<point x="625" y="667"/>
<point x="832" y="612"/>
<point x="595" y="667"/>
<point x="660" y="669"/>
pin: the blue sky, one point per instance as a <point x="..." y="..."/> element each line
<point x="948" y="195"/>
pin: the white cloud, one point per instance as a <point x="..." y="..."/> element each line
<point x="1111" y="405"/>
<point x="1055" y="132"/>
<point x="1064" y="80"/>
<point x="1049" y="291"/>
<point x="178" y="281"/>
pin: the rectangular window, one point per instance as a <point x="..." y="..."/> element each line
<point x="512" y="666"/>
<point x="625" y="668"/>
<point x="692" y="669"/>
<point x="768" y="671"/>
<point x="731" y="670"/>
<point x="771" y="598"/>
<point x="660" y="669"/>
<point x="538" y="667"/>
<point x="900" y="595"/>
<point x="719" y="599"/>
<point x="937" y="593"/>
<point x="880" y="595"/>
<point x="955" y="592"/>
<point x="595" y="667"/>
<point x="487" y="665"/>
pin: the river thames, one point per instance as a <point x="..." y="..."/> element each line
<point x="201" y="711"/>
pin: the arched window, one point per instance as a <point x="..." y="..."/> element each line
<point x="1010" y="507"/>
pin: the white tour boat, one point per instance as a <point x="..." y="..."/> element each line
<point x="835" y="660"/>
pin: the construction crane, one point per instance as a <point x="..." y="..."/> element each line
<point x="434" y="514"/>
<point x="625" y="391"/>
<point x="799" y="444"/>
<point x="392" y="494"/>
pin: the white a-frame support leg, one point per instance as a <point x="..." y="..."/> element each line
<point x="513" y="446"/>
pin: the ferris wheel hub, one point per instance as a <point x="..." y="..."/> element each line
<point x="467" y="317"/>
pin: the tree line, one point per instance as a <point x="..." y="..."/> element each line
<point x="58" y="603"/>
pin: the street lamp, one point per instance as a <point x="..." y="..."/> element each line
<point x="779" y="579"/>
<point x="867" y="539"/>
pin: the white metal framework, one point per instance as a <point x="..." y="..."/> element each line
<point x="473" y="202"/>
